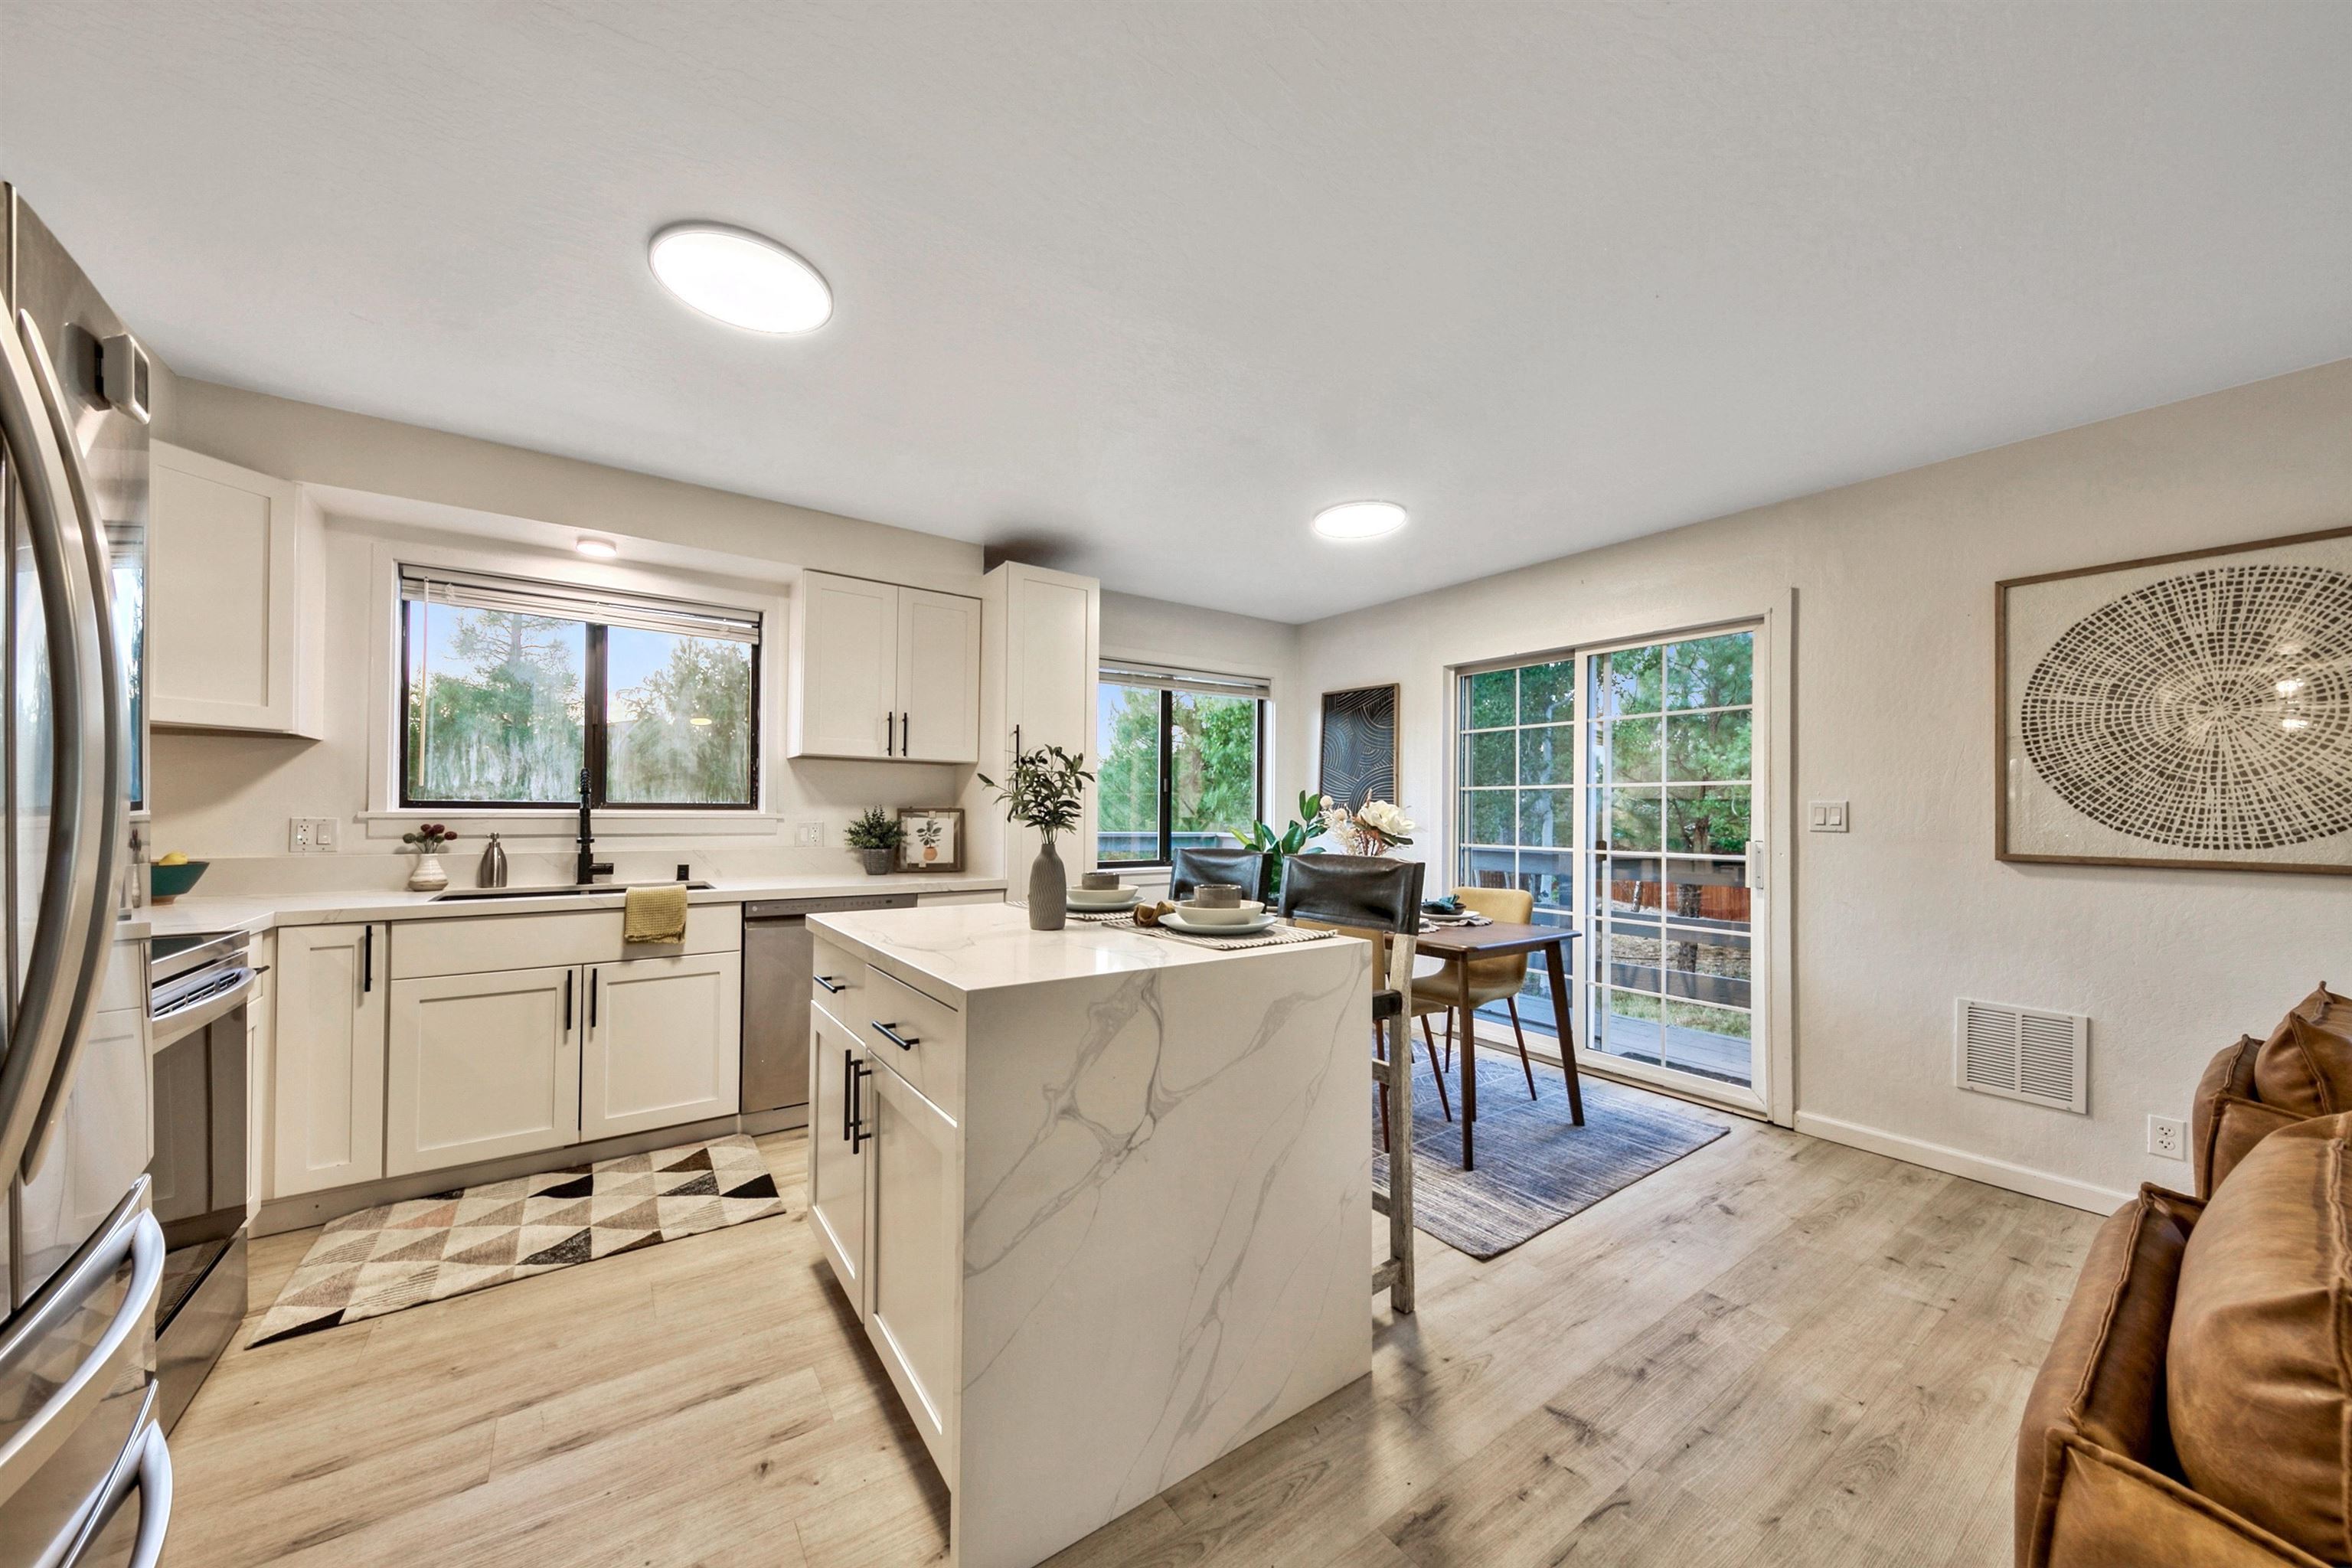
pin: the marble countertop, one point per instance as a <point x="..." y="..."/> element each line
<point x="255" y="913"/>
<point x="959" y="949"/>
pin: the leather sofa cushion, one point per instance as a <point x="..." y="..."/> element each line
<point x="2228" y="1119"/>
<point x="2258" y="1385"/>
<point x="2103" y="1380"/>
<point x="2306" y="1067"/>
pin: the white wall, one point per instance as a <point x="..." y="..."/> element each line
<point x="1893" y="586"/>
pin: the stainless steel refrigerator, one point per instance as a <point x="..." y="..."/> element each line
<point x="85" y="1475"/>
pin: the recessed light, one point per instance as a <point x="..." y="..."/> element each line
<point x="595" y="548"/>
<point x="740" y="277"/>
<point x="1359" y="519"/>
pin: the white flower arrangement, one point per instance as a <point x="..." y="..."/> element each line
<point x="1378" y="827"/>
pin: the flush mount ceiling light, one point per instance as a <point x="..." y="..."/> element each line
<point x="596" y="549"/>
<point x="1359" y="519"/>
<point x="740" y="277"/>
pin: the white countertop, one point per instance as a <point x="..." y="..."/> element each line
<point x="194" y="912"/>
<point x="965" y="948"/>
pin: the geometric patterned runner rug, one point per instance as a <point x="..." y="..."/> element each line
<point x="380" y="1260"/>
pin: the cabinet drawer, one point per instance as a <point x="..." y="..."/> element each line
<point x="837" y="981"/>
<point x="928" y="1049"/>
<point x="477" y="944"/>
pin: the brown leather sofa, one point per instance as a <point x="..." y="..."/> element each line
<point x="2195" y="1410"/>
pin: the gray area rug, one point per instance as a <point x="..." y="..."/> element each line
<point x="1535" y="1166"/>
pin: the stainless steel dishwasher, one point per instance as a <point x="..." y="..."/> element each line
<point x="777" y="962"/>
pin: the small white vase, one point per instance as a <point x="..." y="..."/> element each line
<point x="429" y="877"/>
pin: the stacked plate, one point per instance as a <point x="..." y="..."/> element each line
<point x="1101" y="901"/>
<point x="1233" y="920"/>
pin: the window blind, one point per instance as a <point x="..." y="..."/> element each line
<point x="564" y="601"/>
<point x="1124" y="672"/>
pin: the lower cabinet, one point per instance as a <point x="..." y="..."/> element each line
<point x="664" y="1043"/>
<point x="481" y="1066"/>
<point x="914" y="1229"/>
<point x="837" y="1170"/>
<point x="328" y="1071"/>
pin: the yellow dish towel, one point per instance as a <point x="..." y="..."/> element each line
<point x="654" y="914"/>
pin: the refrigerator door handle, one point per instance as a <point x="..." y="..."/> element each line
<point x="56" y="956"/>
<point x="145" y="1466"/>
<point x="135" y="1234"/>
<point x="112" y="702"/>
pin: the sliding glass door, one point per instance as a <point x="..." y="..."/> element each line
<point x="1622" y="786"/>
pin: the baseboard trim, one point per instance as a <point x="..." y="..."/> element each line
<point x="1960" y="1163"/>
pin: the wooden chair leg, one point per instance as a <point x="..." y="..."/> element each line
<point x="1526" y="1066"/>
<point x="1388" y="1138"/>
<point x="1443" y="1103"/>
<point x="1449" y="1039"/>
<point x="1400" y="1069"/>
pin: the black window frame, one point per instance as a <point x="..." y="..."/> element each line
<point x="592" y="740"/>
<point x="1166" y="858"/>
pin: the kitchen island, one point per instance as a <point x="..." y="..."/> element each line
<point x="1102" y="1199"/>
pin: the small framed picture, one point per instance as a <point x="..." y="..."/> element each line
<point x="934" y="840"/>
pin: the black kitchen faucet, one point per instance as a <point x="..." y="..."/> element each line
<point x="590" y="866"/>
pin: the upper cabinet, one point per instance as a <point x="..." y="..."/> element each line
<point x="1041" y="656"/>
<point x="884" y="671"/>
<point x="235" y="622"/>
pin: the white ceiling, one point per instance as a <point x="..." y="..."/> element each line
<point x="1135" y="289"/>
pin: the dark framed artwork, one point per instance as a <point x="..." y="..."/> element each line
<point x="1359" y="753"/>
<point x="2186" y="710"/>
<point x="934" y="838"/>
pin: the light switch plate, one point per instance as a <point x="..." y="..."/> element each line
<point x="1826" y="816"/>
<point x="809" y="834"/>
<point x="2168" y="1137"/>
<point x="310" y="835"/>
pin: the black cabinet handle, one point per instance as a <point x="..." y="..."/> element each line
<point x="848" y="1094"/>
<point x="568" y="977"/>
<point x="367" y="959"/>
<point x="906" y="734"/>
<point x="858" y="1137"/>
<point x="833" y="987"/>
<point x="890" y="1033"/>
<point x="889" y="734"/>
<point x="593" y="975"/>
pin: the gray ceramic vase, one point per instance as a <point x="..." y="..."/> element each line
<point x="878" y="861"/>
<point x="1049" y="890"/>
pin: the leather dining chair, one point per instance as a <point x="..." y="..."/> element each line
<point x="1378" y="901"/>
<point x="1244" y="869"/>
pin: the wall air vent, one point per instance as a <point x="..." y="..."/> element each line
<point x="2023" y="1053"/>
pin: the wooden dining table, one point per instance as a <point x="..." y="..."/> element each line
<point x="1460" y="946"/>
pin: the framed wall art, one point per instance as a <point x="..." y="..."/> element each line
<point x="1359" y="753"/>
<point x="2181" y="711"/>
<point x="934" y="838"/>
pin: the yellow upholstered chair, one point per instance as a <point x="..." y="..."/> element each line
<point x="1491" y="980"/>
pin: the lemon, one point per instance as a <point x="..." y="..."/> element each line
<point x="173" y="858"/>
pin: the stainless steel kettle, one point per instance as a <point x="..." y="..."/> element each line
<point x="493" y="873"/>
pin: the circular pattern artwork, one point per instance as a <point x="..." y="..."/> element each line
<point x="2210" y="711"/>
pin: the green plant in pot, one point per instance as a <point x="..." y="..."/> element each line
<point x="1047" y="791"/>
<point x="1292" y="840"/>
<point x="874" y="833"/>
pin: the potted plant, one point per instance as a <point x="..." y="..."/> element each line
<point x="426" y="840"/>
<point x="1045" y="790"/>
<point x="874" y="833"/>
<point x="1292" y="840"/>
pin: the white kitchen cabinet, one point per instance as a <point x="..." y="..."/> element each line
<point x="914" y="1232"/>
<point x="234" y="614"/>
<point x="836" y="1168"/>
<point x="664" y="1043"/>
<point x="1040" y="657"/>
<point x="327" y="1124"/>
<point x="884" y="671"/>
<point x="481" y="1066"/>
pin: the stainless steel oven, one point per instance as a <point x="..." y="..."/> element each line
<point x="198" y="987"/>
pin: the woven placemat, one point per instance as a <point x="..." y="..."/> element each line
<point x="1277" y="935"/>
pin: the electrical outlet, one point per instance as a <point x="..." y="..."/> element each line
<point x="2168" y="1137"/>
<point x="809" y="834"/>
<point x="1826" y="816"/>
<point x="310" y="835"/>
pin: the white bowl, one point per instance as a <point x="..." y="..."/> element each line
<point x="1177" y="922"/>
<point x="1237" y="914"/>
<point x="1101" y="898"/>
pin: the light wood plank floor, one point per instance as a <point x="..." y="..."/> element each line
<point x="1775" y="1351"/>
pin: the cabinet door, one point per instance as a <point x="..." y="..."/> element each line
<point x="481" y="1066"/>
<point x="329" y="1126"/>
<point x="938" y="676"/>
<point x="224" y="597"/>
<point x="838" y="1078"/>
<point x="1051" y="669"/>
<point x="848" y="667"/>
<point x="664" y="1043"/>
<point x="914" y="1230"/>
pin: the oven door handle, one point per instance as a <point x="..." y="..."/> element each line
<point x="182" y="1022"/>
